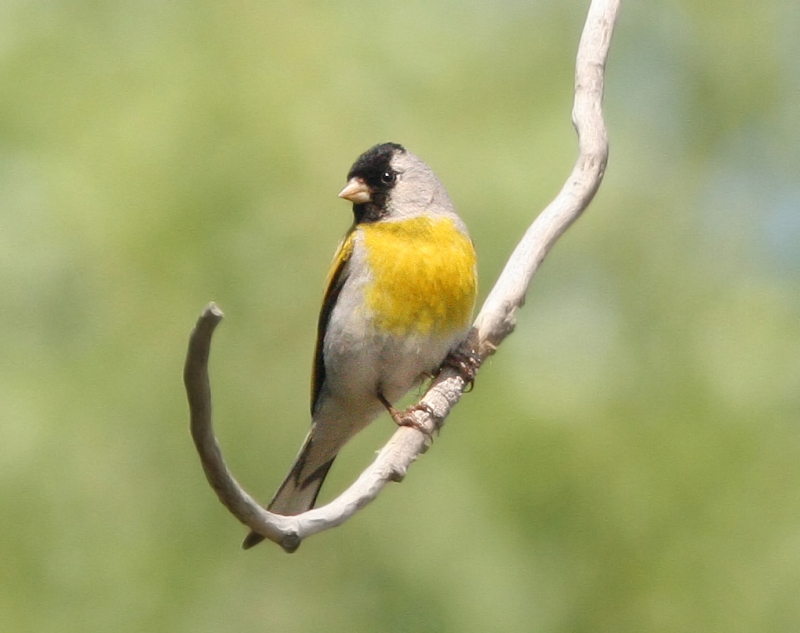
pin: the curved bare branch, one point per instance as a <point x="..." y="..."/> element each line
<point x="497" y="318"/>
<point x="495" y="321"/>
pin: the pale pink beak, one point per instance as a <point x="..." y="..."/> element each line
<point x="356" y="191"/>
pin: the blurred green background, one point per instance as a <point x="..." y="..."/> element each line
<point x="630" y="459"/>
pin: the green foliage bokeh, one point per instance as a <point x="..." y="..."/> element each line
<point x="630" y="459"/>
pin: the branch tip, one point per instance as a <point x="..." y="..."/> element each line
<point x="213" y="311"/>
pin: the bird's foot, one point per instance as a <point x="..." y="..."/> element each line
<point x="407" y="417"/>
<point x="466" y="362"/>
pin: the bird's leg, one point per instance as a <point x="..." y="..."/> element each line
<point x="406" y="418"/>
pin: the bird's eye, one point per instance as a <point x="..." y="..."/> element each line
<point x="387" y="177"/>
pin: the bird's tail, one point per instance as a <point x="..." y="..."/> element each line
<point x="299" y="490"/>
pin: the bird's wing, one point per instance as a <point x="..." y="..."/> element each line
<point x="337" y="276"/>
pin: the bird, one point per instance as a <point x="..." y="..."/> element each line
<point x="398" y="301"/>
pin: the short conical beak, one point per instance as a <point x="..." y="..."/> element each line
<point x="356" y="191"/>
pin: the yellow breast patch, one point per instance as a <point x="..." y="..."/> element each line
<point x="423" y="272"/>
